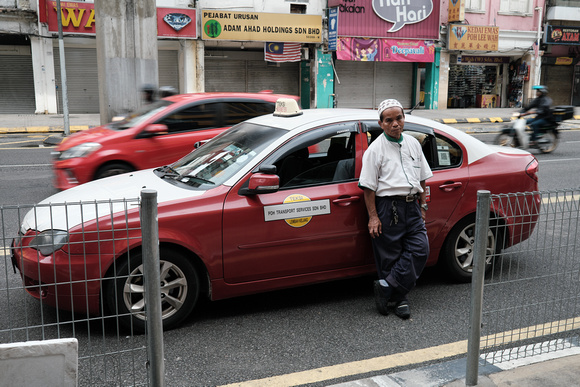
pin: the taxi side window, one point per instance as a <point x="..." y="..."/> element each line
<point x="330" y="159"/>
<point x="203" y="116"/>
<point x="236" y="112"/>
<point x="448" y="153"/>
<point x="426" y="140"/>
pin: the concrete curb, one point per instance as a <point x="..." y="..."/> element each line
<point x="43" y="129"/>
<point x="480" y="120"/>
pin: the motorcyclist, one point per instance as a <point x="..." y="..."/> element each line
<point x="148" y="93"/>
<point x="542" y="107"/>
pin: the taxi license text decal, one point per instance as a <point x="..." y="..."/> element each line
<point x="297" y="210"/>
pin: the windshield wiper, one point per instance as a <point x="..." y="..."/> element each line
<point x="192" y="179"/>
<point x="168" y="171"/>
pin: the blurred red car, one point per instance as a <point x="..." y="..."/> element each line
<point x="157" y="134"/>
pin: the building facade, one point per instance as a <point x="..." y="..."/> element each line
<point x="561" y="51"/>
<point x="433" y="54"/>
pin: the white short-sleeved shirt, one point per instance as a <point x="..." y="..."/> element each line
<point x="394" y="167"/>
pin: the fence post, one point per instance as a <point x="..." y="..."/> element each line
<point x="152" y="278"/>
<point x="478" y="274"/>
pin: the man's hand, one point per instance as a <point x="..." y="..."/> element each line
<point x="375" y="226"/>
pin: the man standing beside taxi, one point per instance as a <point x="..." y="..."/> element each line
<point x="393" y="178"/>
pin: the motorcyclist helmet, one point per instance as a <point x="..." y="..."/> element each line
<point x="541" y="88"/>
<point x="148" y="92"/>
<point x="167" y="91"/>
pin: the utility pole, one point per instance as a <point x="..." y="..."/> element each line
<point x="62" y="71"/>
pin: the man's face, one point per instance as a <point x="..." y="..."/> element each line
<point x="393" y="122"/>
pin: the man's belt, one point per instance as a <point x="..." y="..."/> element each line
<point x="408" y="198"/>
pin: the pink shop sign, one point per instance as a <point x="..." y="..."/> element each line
<point x="385" y="50"/>
<point x="409" y="19"/>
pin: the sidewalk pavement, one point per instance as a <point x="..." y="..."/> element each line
<point x="558" y="368"/>
<point x="54" y="123"/>
<point x="553" y="369"/>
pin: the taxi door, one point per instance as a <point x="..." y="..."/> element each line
<point x="315" y="223"/>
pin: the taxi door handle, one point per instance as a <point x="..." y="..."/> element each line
<point x="345" y="201"/>
<point x="450" y="186"/>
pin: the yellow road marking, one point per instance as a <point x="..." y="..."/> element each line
<point x="408" y="358"/>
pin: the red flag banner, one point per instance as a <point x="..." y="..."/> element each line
<point x="282" y="52"/>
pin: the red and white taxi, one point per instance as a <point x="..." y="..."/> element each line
<point x="270" y="203"/>
<point x="157" y="134"/>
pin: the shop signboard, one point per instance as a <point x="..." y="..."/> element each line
<point x="409" y="19"/>
<point x="385" y="50"/>
<point x="332" y="28"/>
<point x="484" y="59"/>
<point x="562" y="35"/>
<point x="260" y="26"/>
<point x="473" y="38"/>
<point x="78" y="18"/>
<point x="456" y="12"/>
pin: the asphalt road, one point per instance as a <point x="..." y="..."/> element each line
<point x="288" y="331"/>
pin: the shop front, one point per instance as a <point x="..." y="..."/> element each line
<point x="485" y="81"/>
<point x="560" y="63"/>
<point x="386" y="50"/>
<point x="256" y="51"/>
<point x="81" y="54"/>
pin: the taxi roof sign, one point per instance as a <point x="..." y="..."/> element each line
<point x="287" y="107"/>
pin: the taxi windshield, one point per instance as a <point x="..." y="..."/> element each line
<point x="140" y="115"/>
<point x="221" y="158"/>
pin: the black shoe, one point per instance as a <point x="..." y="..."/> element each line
<point x="403" y="310"/>
<point x="382" y="295"/>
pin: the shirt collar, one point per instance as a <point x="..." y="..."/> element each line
<point x="392" y="139"/>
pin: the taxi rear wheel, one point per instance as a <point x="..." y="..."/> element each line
<point x="458" y="251"/>
<point x="113" y="169"/>
<point x="179" y="286"/>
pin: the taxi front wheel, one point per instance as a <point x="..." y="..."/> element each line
<point x="179" y="286"/>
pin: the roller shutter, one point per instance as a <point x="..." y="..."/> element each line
<point x="82" y="80"/>
<point x="251" y="76"/>
<point x="17" y="85"/>
<point x="366" y="84"/>
<point x="559" y="81"/>
<point x="168" y="68"/>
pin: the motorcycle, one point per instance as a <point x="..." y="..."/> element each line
<point x="515" y="134"/>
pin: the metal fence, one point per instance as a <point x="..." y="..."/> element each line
<point x="528" y="303"/>
<point x="72" y="285"/>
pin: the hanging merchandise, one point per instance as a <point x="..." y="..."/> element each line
<point x="516" y="84"/>
<point x="472" y="86"/>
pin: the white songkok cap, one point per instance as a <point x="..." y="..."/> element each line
<point x="387" y="104"/>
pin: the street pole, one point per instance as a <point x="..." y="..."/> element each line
<point x="62" y="70"/>
<point x="538" y="63"/>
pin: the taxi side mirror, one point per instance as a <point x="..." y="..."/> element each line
<point x="261" y="183"/>
<point x="153" y="130"/>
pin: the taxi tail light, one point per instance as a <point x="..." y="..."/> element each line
<point x="532" y="169"/>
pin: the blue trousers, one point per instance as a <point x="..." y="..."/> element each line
<point x="402" y="249"/>
<point x="536" y="124"/>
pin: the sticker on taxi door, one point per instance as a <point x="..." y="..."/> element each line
<point x="297" y="210"/>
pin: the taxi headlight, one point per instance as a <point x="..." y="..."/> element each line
<point x="81" y="150"/>
<point x="47" y="242"/>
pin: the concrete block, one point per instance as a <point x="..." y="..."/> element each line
<point x="47" y="363"/>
